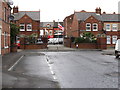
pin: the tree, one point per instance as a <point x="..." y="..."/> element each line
<point x="14" y="30"/>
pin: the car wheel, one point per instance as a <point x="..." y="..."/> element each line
<point x="117" y="56"/>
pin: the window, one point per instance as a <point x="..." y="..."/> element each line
<point x="108" y="39"/>
<point x="108" y="27"/>
<point x="114" y="27"/>
<point x="95" y="27"/>
<point x="50" y="32"/>
<point x="88" y="27"/>
<point x="5" y="14"/>
<point x="114" y="39"/>
<point x="22" y="27"/>
<point x="46" y="32"/>
<point x="29" y="27"/>
<point x="5" y="40"/>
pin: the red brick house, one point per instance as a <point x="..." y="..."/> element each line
<point x="50" y="29"/>
<point x="95" y="22"/>
<point x="5" y="10"/>
<point x="29" y="35"/>
<point x="28" y="21"/>
<point x="46" y="29"/>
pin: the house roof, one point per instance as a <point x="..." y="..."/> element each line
<point x="44" y="24"/>
<point x="52" y="24"/>
<point x="110" y="17"/>
<point x="104" y="17"/>
<point x="35" y="15"/>
<point x="56" y="24"/>
<point x="84" y="15"/>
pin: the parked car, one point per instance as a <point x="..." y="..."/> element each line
<point x="18" y="43"/>
<point x="55" y="40"/>
<point x="117" y="48"/>
<point x="39" y="41"/>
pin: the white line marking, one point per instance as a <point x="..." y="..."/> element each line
<point x="50" y="67"/>
<point x="15" y="63"/>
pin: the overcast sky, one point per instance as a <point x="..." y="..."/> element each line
<point x="59" y="9"/>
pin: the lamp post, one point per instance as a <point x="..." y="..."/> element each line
<point x="58" y="36"/>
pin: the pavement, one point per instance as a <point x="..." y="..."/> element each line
<point x="108" y="52"/>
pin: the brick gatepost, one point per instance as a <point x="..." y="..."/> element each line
<point x="101" y="43"/>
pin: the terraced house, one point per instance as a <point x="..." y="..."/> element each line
<point x="28" y="21"/>
<point x="96" y="22"/>
<point x="5" y="13"/>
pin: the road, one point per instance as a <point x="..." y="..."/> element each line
<point x="84" y="69"/>
<point x="71" y="69"/>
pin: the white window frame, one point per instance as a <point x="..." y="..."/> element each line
<point x="89" y="26"/>
<point x="109" y="27"/>
<point x="114" y="39"/>
<point x="114" y="26"/>
<point x="29" y="24"/>
<point x="24" y="27"/>
<point x="108" y="39"/>
<point x="96" y="27"/>
<point x="5" y="40"/>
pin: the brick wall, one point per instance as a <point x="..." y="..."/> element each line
<point x="74" y="27"/>
<point x="35" y="46"/>
<point x="35" y="25"/>
<point x="91" y="20"/>
<point x="67" y="25"/>
<point x="5" y="29"/>
<point x="101" y="44"/>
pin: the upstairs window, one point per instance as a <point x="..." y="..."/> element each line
<point x="108" y="27"/>
<point x="5" y="15"/>
<point x="95" y="27"/>
<point x="29" y="27"/>
<point x="88" y="27"/>
<point x="22" y="27"/>
<point x="114" y="27"/>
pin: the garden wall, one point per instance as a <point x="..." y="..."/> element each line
<point x="101" y="44"/>
<point x="33" y="46"/>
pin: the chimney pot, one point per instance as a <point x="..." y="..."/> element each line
<point x="98" y="10"/>
<point x="15" y="9"/>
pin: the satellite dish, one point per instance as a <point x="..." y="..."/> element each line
<point x="11" y="17"/>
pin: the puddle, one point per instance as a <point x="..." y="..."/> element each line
<point x="113" y="74"/>
<point x="33" y="54"/>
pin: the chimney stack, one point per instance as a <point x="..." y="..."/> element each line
<point x="15" y="9"/>
<point x="98" y="10"/>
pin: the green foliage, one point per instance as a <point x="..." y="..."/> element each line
<point x="14" y="30"/>
<point x="87" y="37"/>
<point x="79" y="40"/>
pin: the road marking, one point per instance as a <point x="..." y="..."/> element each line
<point x="50" y="67"/>
<point x="15" y="64"/>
